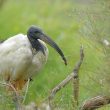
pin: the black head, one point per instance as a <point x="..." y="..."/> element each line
<point x="34" y="33"/>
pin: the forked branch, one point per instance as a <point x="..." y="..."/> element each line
<point x="69" y="77"/>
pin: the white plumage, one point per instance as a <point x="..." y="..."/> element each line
<point x="19" y="60"/>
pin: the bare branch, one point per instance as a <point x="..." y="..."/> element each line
<point x="68" y="78"/>
<point x="95" y="103"/>
<point x="76" y="79"/>
<point x="77" y="66"/>
<point x="60" y="85"/>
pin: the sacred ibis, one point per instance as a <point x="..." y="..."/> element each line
<point x="22" y="56"/>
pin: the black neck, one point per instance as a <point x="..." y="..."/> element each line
<point x="36" y="45"/>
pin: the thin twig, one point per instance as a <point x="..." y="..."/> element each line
<point x="9" y="85"/>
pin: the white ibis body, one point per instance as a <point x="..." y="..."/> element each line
<point x="22" y="56"/>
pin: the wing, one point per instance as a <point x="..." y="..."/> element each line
<point x="16" y="56"/>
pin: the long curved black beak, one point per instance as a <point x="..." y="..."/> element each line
<point x="49" y="41"/>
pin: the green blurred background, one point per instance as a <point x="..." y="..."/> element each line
<point x="71" y="23"/>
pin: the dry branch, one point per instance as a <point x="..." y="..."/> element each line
<point x="76" y="79"/>
<point x="68" y="78"/>
<point x="60" y="85"/>
<point x="95" y="103"/>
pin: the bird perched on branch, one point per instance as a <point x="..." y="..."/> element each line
<point x="22" y="56"/>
